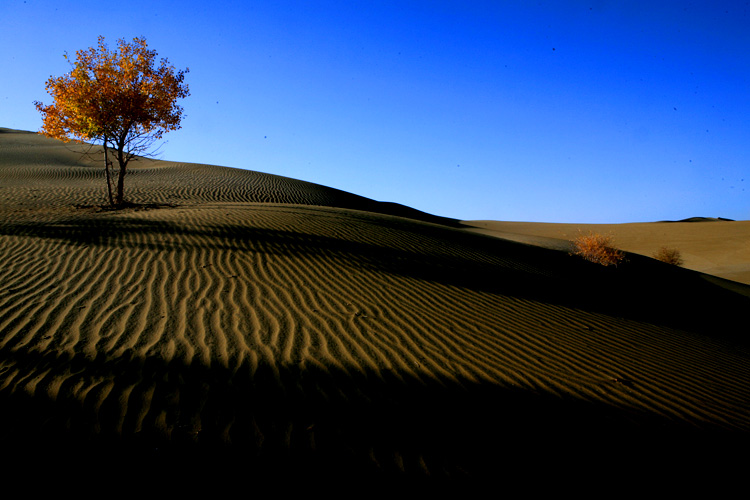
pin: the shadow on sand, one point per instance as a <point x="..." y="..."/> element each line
<point x="641" y="288"/>
<point x="157" y="421"/>
<point x="133" y="419"/>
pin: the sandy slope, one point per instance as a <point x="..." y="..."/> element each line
<point x="714" y="246"/>
<point x="267" y="324"/>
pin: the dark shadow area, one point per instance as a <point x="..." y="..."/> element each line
<point x="126" y="206"/>
<point x="701" y="219"/>
<point x="641" y="288"/>
<point x="301" y="423"/>
<point x="390" y="208"/>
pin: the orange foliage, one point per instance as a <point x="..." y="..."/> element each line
<point x="670" y="256"/>
<point x="598" y="249"/>
<point x="120" y="98"/>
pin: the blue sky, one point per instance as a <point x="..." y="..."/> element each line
<point x="550" y="111"/>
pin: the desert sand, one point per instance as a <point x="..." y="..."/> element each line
<point x="715" y="246"/>
<point x="242" y="325"/>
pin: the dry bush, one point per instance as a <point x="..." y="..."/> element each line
<point x="670" y="256"/>
<point x="598" y="249"/>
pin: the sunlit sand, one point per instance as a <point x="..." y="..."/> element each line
<point x="237" y="321"/>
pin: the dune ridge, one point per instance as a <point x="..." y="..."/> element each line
<point x="292" y="326"/>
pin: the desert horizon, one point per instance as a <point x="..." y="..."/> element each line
<point x="278" y="326"/>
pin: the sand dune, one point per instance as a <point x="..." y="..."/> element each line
<point x="713" y="246"/>
<point x="268" y="324"/>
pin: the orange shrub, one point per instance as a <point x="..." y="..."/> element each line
<point x="670" y="256"/>
<point x="598" y="249"/>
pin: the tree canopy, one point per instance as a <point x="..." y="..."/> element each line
<point x="120" y="98"/>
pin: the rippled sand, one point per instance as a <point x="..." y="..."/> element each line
<point x="236" y="320"/>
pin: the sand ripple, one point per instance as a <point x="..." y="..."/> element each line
<point x="263" y="313"/>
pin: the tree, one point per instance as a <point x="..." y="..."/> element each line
<point x="120" y="99"/>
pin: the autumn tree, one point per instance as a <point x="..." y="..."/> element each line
<point x="120" y="99"/>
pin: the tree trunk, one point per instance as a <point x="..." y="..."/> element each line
<point x="120" y="185"/>
<point x="121" y="177"/>
<point x="106" y="169"/>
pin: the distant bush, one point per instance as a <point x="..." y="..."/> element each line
<point x="670" y="256"/>
<point x="598" y="249"/>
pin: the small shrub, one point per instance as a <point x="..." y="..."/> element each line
<point x="670" y="256"/>
<point x="598" y="249"/>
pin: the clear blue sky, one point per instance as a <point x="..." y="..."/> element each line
<point x="552" y="111"/>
